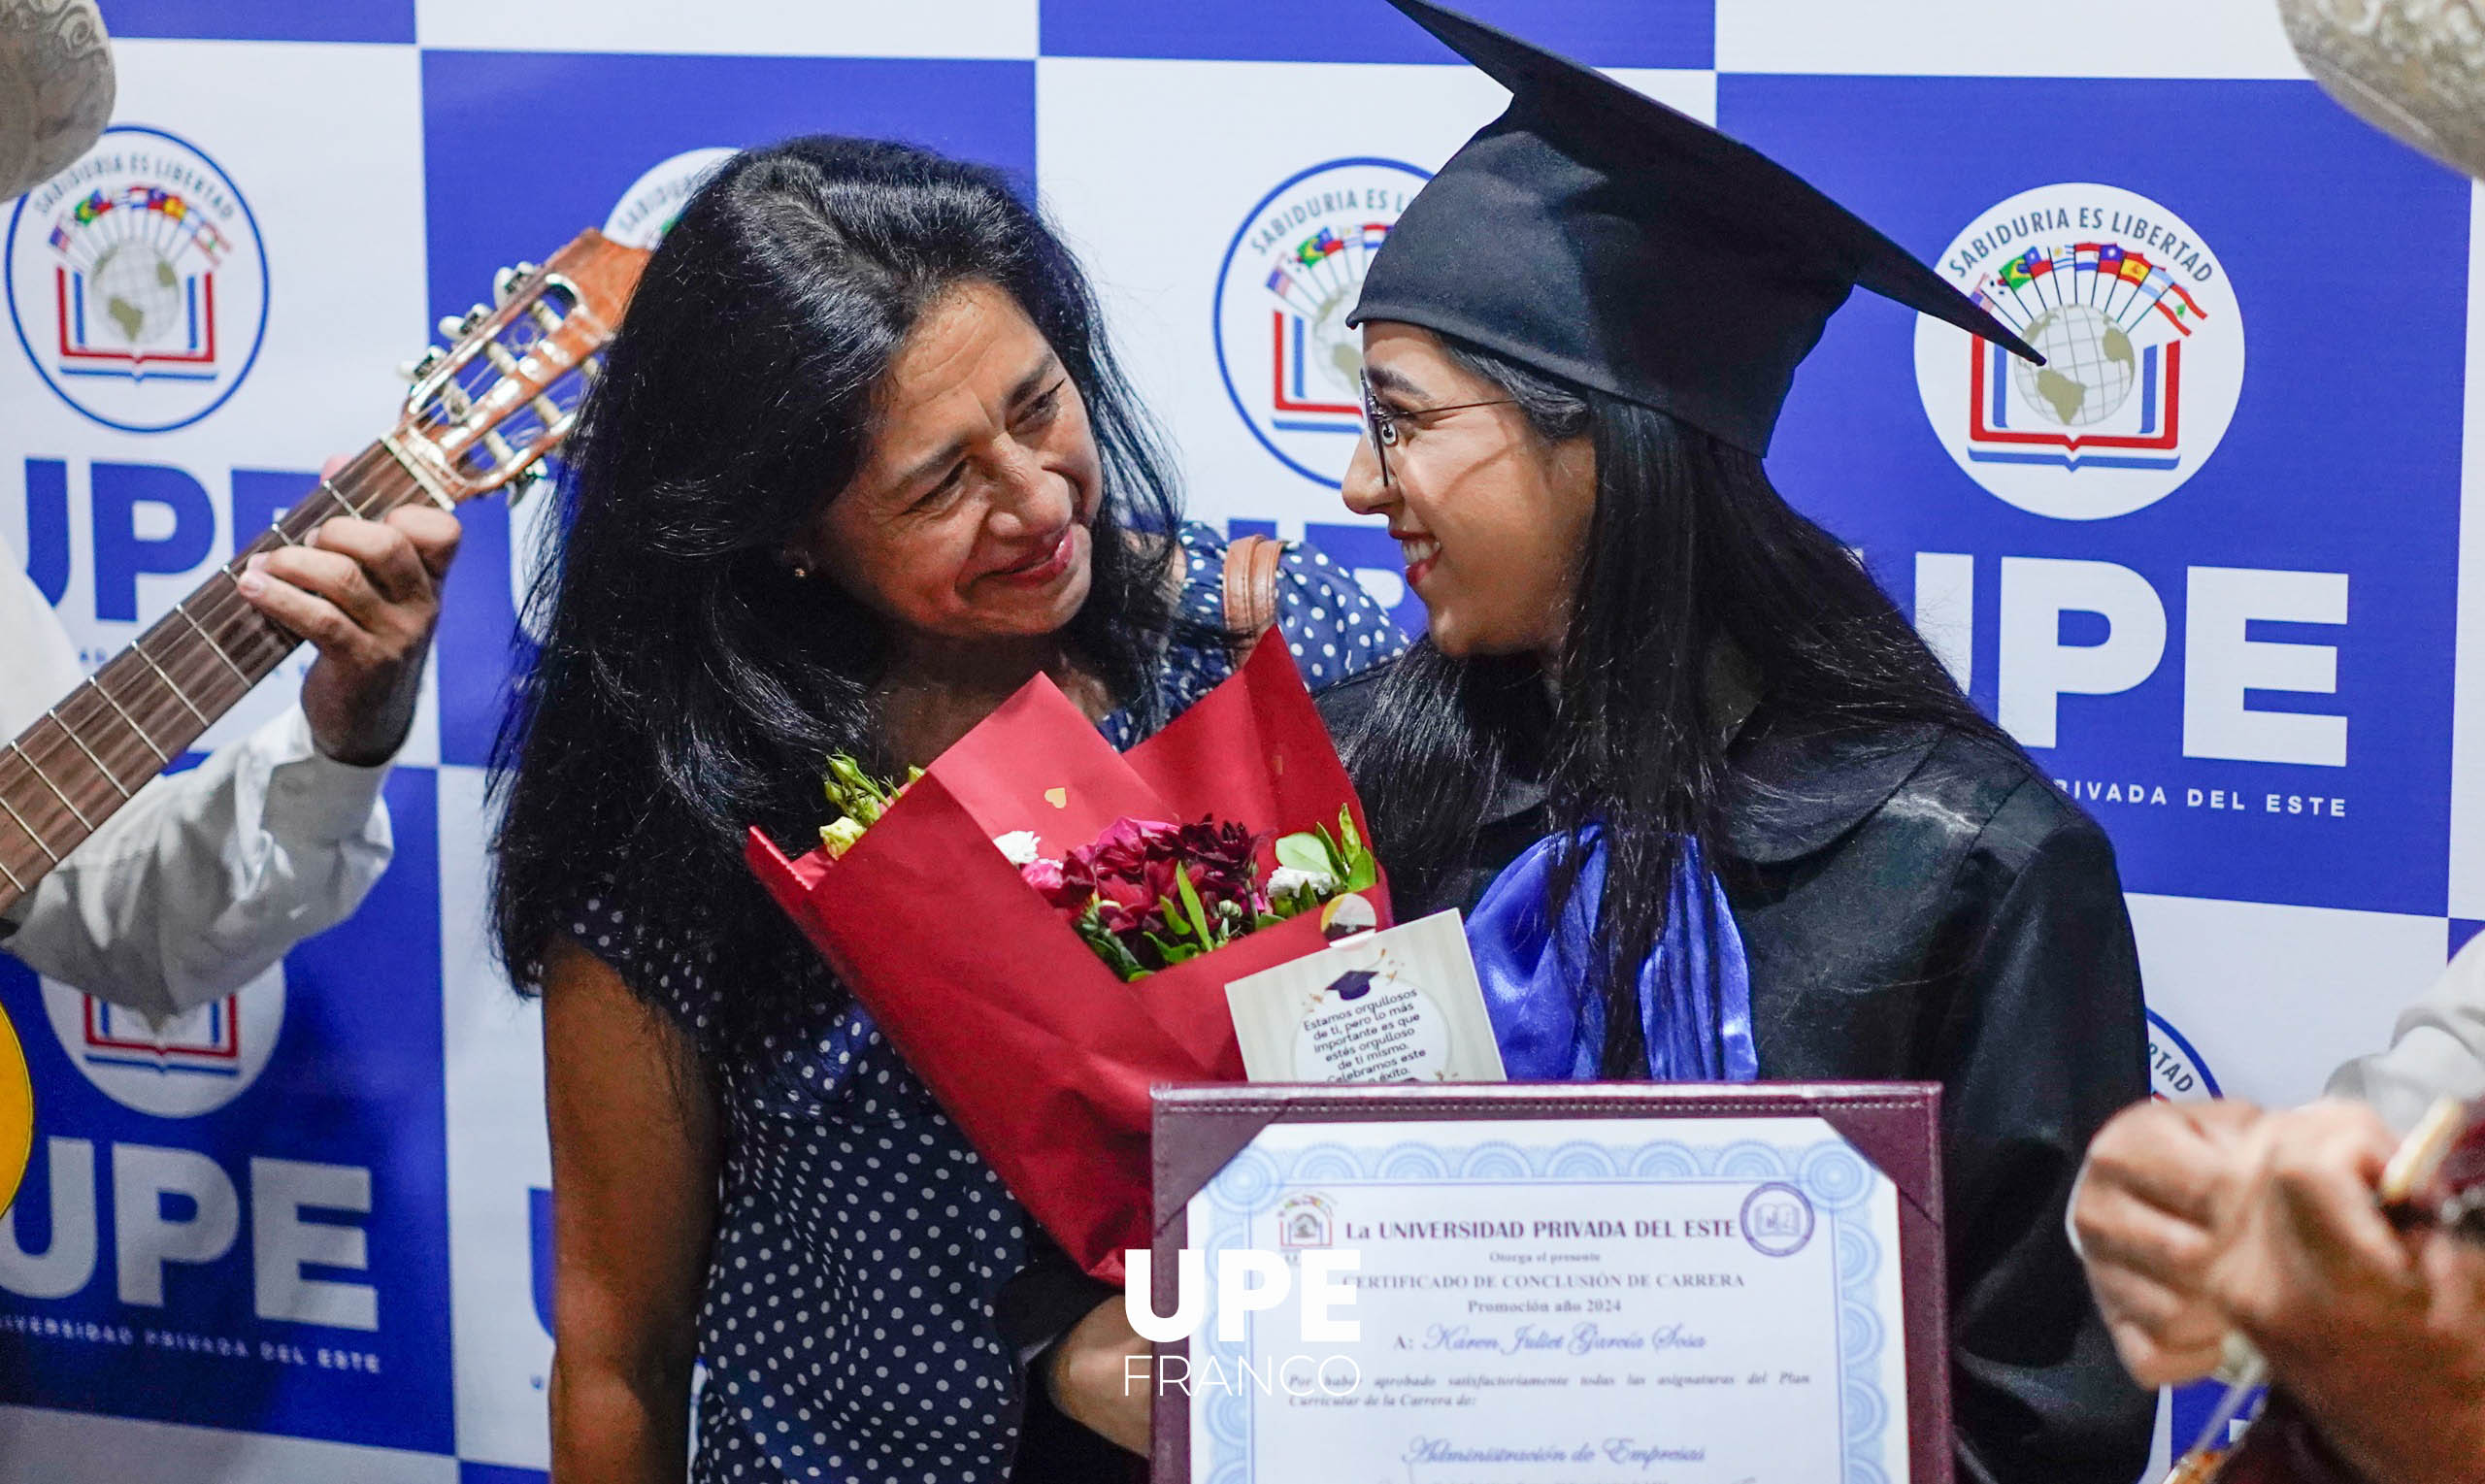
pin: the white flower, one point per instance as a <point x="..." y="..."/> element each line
<point x="1019" y="846"/>
<point x="1285" y="881"/>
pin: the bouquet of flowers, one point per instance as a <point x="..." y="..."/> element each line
<point x="1146" y="894"/>
<point x="1043" y="987"/>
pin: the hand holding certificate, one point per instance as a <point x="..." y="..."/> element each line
<point x="1556" y="1285"/>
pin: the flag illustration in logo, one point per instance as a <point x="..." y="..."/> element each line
<point x="2143" y="348"/>
<point x="1291" y="274"/>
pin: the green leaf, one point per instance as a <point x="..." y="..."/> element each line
<point x="1336" y="864"/>
<point x="1174" y="953"/>
<point x="1305" y="851"/>
<point x="1115" y="953"/>
<point x="1198" y="914"/>
<point x="1356" y="870"/>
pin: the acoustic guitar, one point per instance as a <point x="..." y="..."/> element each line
<point x="480" y="416"/>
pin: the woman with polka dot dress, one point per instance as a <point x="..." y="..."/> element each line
<point x="859" y="466"/>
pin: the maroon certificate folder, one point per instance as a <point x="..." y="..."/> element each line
<point x="1291" y="1167"/>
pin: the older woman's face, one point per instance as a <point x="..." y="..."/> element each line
<point x="970" y="518"/>
<point x="1492" y="518"/>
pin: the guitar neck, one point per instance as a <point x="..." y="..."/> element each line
<point x="63" y="776"/>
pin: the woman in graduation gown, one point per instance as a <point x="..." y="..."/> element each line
<point x="1713" y="810"/>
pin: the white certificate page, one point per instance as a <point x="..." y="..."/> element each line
<point x="1678" y="1301"/>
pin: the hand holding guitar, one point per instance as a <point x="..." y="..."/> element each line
<point x="2164" y="1190"/>
<point x="2343" y="1261"/>
<point x="366" y="595"/>
<point x="2368" y="1302"/>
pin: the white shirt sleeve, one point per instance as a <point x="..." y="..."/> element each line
<point x="2438" y="1050"/>
<point x="205" y="878"/>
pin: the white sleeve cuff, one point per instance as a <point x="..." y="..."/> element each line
<point x="311" y="796"/>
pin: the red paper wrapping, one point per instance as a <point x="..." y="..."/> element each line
<point x="1040" y="1052"/>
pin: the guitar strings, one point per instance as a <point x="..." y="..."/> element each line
<point x="194" y="662"/>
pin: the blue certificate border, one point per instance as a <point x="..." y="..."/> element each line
<point x="1829" y="1174"/>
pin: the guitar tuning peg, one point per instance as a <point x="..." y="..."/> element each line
<point x="451" y="327"/>
<point x="527" y="483"/>
<point x="505" y="283"/>
<point x="423" y="365"/>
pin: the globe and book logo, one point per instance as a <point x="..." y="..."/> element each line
<point x="193" y="1063"/>
<point x="1307" y="1220"/>
<point x="137" y="281"/>
<point x="2144" y="347"/>
<point x="1290" y="363"/>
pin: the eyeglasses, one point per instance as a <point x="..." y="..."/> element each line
<point x="1383" y="426"/>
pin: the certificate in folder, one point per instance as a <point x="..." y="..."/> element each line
<point x="1561" y="1283"/>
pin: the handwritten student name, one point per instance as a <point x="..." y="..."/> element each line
<point x="1585" y="1338"/>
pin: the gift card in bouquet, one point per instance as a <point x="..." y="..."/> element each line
<point x="1396" y="1005"/>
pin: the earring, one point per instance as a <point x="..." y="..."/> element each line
<point x="802" y="574"/>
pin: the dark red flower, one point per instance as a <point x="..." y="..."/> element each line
<point x="1129" y="873"/>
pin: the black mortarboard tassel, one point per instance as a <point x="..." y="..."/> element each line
<point x="1599" y="235"/>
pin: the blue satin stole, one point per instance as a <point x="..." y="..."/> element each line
<point x="1694" y="987"/>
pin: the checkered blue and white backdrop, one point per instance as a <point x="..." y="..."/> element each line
<point x="2210" y="567"/>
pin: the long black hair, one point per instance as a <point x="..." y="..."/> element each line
<point x="1694" y="562"/>
<point x="688" y="686"/>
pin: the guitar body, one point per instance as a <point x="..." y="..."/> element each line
<point x="2280" y="1447"/>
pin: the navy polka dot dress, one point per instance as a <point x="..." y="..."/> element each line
<point x="848" y="1328"/>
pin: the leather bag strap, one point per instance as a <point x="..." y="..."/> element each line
<point x="1250" y="589"/>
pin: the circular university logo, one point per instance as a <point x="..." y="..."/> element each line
<point x="2175" y="1070"/>
<point x="194" y="1062"/>
<point x="1777" y="1220"/>
<point x="647" y="209"/>
<point x="1307" y="1220"/>
<point x="137" y="281"/>
<point x="2144" y="351"/>
<point x="1290" y="276"/>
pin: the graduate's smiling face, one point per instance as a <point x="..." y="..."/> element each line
<point x="1492" y="517"/>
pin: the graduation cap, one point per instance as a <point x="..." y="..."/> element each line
<point x="1596" y="234"/>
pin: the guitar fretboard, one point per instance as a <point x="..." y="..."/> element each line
<point x="64" y="775"/>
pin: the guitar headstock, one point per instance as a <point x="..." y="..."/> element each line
<point x="508" y="386"/>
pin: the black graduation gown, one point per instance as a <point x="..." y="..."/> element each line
<point x="1922" y="906"/>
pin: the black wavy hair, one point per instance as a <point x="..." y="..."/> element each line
<point x="1690" y="550"/>
<point x="688" y="686"/>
